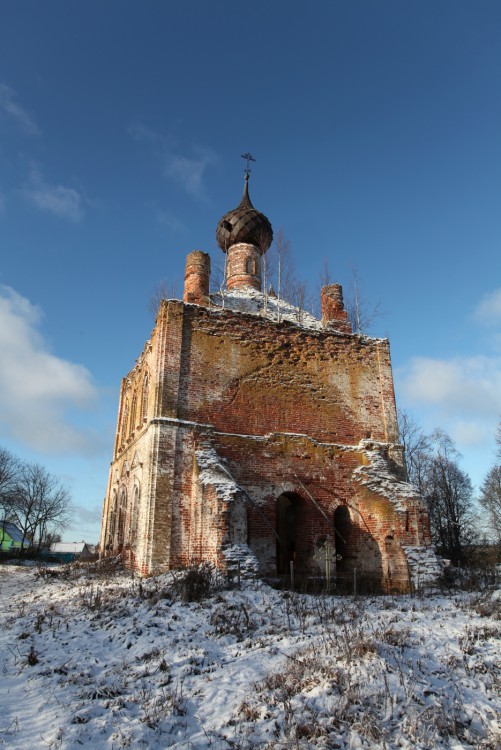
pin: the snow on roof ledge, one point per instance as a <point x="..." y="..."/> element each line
<point x="253" y="302"/>
<point x="65" y="547"/>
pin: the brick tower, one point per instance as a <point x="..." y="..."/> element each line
<point x="244" y="234"/>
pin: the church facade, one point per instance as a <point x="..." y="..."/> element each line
<point x="251" y="434"/>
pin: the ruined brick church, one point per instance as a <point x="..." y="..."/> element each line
<point x="251" y="433"/>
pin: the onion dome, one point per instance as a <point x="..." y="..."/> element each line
<point x="244" y="224"/>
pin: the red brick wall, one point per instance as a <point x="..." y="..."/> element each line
<point x="285" y="407"/>
<point x="238" y="275"/>
<point x="197" y="278"/>
<point x="244" y="374"/>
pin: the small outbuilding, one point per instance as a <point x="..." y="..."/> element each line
<point x="11" y="538"/>
<point x="67" y="552"/>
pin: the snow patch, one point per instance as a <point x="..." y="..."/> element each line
<point x="117" y="663"/>
<point x="424" y="565"/>
<point x="253" y="302"/>
<point x="240" y="556"/>
<point x="213" y="473"/>
<point x="379" y="477"/>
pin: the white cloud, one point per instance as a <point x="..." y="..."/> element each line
<point x="469" y="386"/>
<point x="471" y="432"/>
<point x="169" y="220"/>
<point x="55" y="199"/>
<point x="14" y="111"/>
<point x="461" y="395"/>
<point x="488" y="311"/>
<point x="187" y="171"/>
<point x="88" y="515"/>
<point x="37" y="388"/>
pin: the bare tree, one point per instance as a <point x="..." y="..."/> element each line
<point x="217" y="277"/>
<point x="268" y="263"/>
<point x="163" y="290"/>
<point x="490" y="493"/>
<point x="417" y="448"/>
<point x="40" y="505"/>
<point x="325" y="277"/>
<point x="490" y="500"/>
<point x="299" y="297"/>
<point x="432" y="463"/>
<point x="282" y="247"/>
<point x="289" y="286"/>
<point x="449" y="494"/>
<point x="286" y="271"/>
<point x="361" y="315"/>
<point x="9" y="471"/>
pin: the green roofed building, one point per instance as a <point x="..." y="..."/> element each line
<point x="11" y="538"/>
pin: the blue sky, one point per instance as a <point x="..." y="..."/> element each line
<point x="377" y="132"/>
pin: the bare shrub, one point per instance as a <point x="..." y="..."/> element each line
<point x="232" y="620"/>
<point x="158" y="705"/>
<point x="32" y="657"/>
<point x="48" y="574"/>
<point x="91" y="597"/>
<point x="485" y="605"/>
<point x="196" y="582"/>
<point x="468" y="578"/>
<point x="108" y="567"/>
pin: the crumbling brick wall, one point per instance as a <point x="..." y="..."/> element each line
<point x="286" y="409"/>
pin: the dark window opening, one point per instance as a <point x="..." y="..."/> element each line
<point x="287" y="526"/>
<point x="344" y="542"/>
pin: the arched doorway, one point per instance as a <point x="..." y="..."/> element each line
<point x="288" y="507"/>
<point x="345" y="560"/>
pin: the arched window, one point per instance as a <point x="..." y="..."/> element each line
<point x="133" y="410"/>
<point x="121" y="516"/>
<point x="144" y="398"/>
<point x="250" y="266"/>
<point x="287" y="518"/>
<point x="112" y="517"/>
<point x="125" y="418"/>
<point x="135" y="513"/>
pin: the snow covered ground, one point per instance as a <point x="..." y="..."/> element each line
<point x="112" y="662"/>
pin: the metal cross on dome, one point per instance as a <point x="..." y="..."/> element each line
<point x="248" y="157"/>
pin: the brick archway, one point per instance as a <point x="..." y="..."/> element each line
<point x="343" y="524"/>
<point x="288" y="509"/>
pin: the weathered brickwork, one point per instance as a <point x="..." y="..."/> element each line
<point x="291" y="413"/>
<point x="333" y="308"/>
<point x="251" y="434"/>
<point x="243" y="267"/>
<point x="197" y="278"/>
